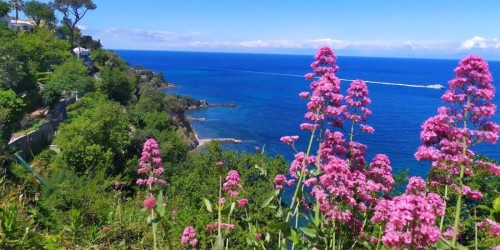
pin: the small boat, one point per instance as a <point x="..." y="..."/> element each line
<point x="435" y="86"/>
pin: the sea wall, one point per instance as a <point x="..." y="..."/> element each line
<point x="34" y="142"/>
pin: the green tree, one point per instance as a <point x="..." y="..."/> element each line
<point x="43" y="49"/>
<point x="116" y="84"/>
<point x="95" y="135"/>
<point x="15" y="72"/>
<point x="17" y="5"/>
<point x="69" y="78"/>
<point x="4" y="8"/>
<point x="73" y="11"/>
<point x="10" y="112"/>
<point x="39" y="11"/>
<point x="99" y="57"/>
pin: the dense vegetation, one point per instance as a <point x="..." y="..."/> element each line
<point x="129" y="176"/>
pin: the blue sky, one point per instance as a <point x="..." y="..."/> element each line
<point x="395" y="28"/>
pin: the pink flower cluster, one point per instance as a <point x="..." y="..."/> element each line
<point x="150" y="164"/>
<point x="242" y="202"/>
<point x="325" y="100"/>
<point x="189" y="237"/>
<point x="447" y="137"/>
<point x="345" y="183"/>
<point x="280" y="181"/>
<point x="491" y="226"/>
<point x="410" y="218"/>
<point x="150" y="202"/>
<point x="223" y="225"/>
<point x="232" y="184"/>
<point x="357" y="100"/>
<point x="290" y="140"/>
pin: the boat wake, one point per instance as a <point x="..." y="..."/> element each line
<point x="428" y="86"/>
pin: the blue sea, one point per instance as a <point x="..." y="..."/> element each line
<point x="265" y="89"/>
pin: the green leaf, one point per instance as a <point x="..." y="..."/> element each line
<point x="267" y="201"/>
<point x="233" y="205"/>
<point x="160" y="210"/>
<point x="299" y="194"/>
<point x="460" y="247"/>
<point x="262" y="170"/>
<point x="278" y="226"/>
<point x="367" y="245"/>
<point x="208" y="205"/>
<point x="308" y="231"/>
<point x="226" y="210"/>
<point x="219" y="243"/>
<point x="294" y="236"/>
<point x="442" y="244"/>
<point x="496" y="204"/>
<point x="483" y="207"/>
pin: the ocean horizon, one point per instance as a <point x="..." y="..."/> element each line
<point x="265" y="89"/>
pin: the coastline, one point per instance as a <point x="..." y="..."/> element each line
<point x="202" y="142"/>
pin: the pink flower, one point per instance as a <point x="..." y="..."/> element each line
<point x="150" y="164"/>
<point x="416" y="185"/>
<point x="308" y="126"/>
<point x="222" y="201"/>
<point x="412" y="212"/>
<point x="189" y="237"/>
<point x="490" y="226"/>
<point x="367" y="129"/>
<point x="290" y="140"/>
<point x="105" y="229"/>
<point x="150" y="202"/>
<point x="279" y="181"/>
<point x="445" y="140"/>
<point x="258" y="236"/>
<point x="242" y="202"/>
<point x="448" y="234"/>
<point x="232" y="183"/>
<point x="219" y="163"/>
<point x="304" y="95"/>
<point x="311" y="182"/>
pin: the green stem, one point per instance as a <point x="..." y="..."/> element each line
<point x="362" y="227"/>
<point x="445" y="198"/>
<point x="227" y="231"/>
<point x="219" y="212"/>
<point x="333" y="236"/>
<point x="351" y="136"/>
<point x="475" y="228"/>
<point x="153" y="225"/>
<point x="301" y="177"/>
<point x="379" y="237"/>
<point x="460" y="186"/>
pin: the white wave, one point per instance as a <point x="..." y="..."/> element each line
<point x="429" y="86"/>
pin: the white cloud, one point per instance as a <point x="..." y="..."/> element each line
<point x="248" y="44"/>
<point x="192" y="40"/>
<point x="81" y="27"/>
<point x="479" y="42"/>
<point x="336" y="44"/>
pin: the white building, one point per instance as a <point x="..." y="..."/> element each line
<point x="83" y="53"/>
<point x="20" y="24"/>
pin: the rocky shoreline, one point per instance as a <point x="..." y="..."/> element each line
<point x="206" y="104"/>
